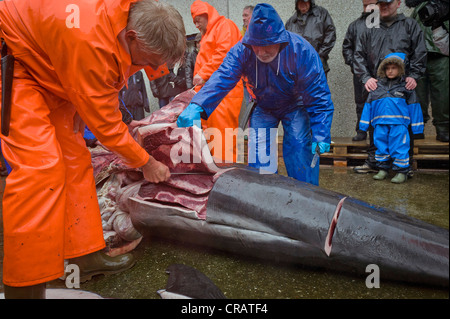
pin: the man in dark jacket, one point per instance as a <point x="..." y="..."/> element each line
<point x="314" y="23"/>
<point x="348" y="50"/>
<point x="396" y="33"/>
<point x="191" y="57"/>
<point x="135" y="96"/>
<point x="167" y="87"/>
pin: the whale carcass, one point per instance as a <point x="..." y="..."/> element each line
<point x="238" y="210"/>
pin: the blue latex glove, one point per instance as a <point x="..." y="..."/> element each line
<point x="323" y="147"/>
<point x="190" y="115"/>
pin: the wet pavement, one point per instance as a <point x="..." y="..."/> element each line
<point x="425" y="196"/>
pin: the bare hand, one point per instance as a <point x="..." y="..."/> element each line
<point x="411" y="84"/>
<point x="198" y="80"/>
<point x="78" y="124"/>
<point x="155" y="171"/>
<point x="371" y="84"/>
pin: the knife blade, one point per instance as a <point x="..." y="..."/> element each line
<point x="191" y="173"/>
<point x="316" y="157"/>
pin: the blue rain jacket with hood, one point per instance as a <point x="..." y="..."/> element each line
<point x="292" y="89"/>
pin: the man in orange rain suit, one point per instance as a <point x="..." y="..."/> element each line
<point x="219" y="35"/>
<point x="71" y="60"/>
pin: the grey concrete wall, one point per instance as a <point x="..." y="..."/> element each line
<point x="343" y="13"/>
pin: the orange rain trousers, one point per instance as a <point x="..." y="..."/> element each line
<point x="221" y="35"/>
<point x="50" y="207"/>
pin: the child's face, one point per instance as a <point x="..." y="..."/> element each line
<point x="392" y="71"/>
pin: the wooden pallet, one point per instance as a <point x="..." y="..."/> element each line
<point x="343" y="149"/>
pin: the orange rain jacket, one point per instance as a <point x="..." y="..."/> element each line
<point x="68" y="60"/>
<point x="221" y="35"/>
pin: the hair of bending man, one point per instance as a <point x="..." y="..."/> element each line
<point x="160" y="29"/>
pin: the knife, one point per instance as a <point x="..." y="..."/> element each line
<point x="191" y="173"/>
<point x="316" y="157"/>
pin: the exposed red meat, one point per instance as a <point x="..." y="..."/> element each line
<point x="170" y="112"/>
<point x="181" y="149"/>
<point x="196" y="184"/>
<point x="172" y="196"/>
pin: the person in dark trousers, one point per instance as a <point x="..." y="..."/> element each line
<point x="135" y="96"/>
<point x="391" y="109"/>
<point x="191" y="57"/>
<point x="433" y="85"/>
<point x="169" y="86"/>
<point x="315" y="24"/>
<point x="396" y="33"/>
<point x="348" y="50"/>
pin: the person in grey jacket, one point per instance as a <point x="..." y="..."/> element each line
<point x="315" y="24"/>
<point x="396" y="33"/>
<point x="348" y="51"/>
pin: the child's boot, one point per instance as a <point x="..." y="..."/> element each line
<point x="399" y="178"/>
<point x="380" y="175"/>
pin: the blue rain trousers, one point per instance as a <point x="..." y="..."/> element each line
<point x="392" y="142"/>
<point x="297" y="138"/>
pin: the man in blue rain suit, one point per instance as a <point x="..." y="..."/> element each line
<point x="287" y="81"/>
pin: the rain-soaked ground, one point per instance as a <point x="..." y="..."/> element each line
<point x="425" y="196"/>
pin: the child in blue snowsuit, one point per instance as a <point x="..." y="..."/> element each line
<point x="390" y="109"/>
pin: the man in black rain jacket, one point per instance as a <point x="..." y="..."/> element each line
<point x="314" y="23"/>
<point x="396" y="33"/>
<point x="348" y="51"/>
<point x="134" y="97"/>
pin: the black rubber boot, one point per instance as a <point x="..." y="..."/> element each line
<point x="99" y="263"/>
<point x="360" y="136"/>
<point x="28" y="292"/>
<point x="442" y="136"/>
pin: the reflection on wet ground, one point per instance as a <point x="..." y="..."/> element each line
<point x="425" y="197"/>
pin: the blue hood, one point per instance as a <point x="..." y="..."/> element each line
<point x="265" y="27"/>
